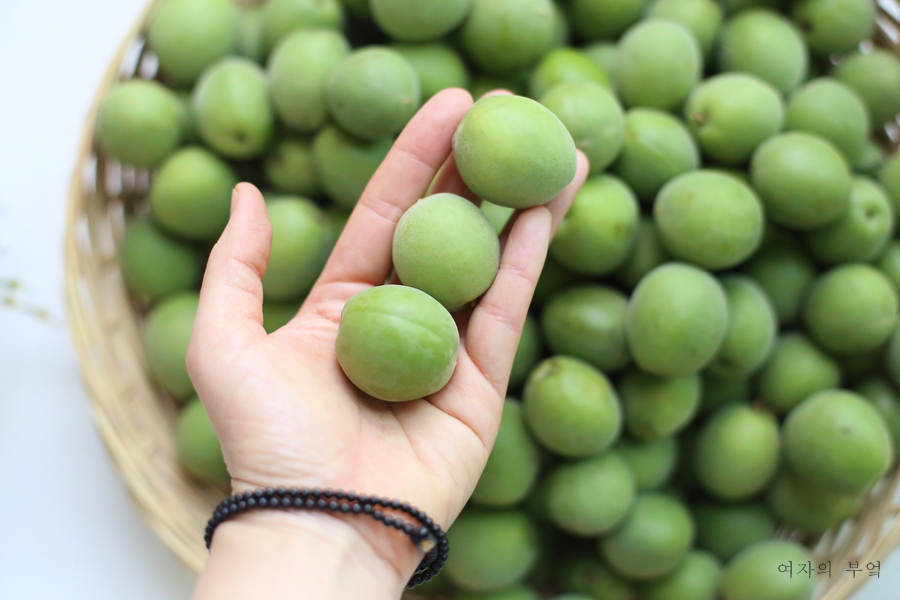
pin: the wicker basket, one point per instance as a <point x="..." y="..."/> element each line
<point x="137" y="419"/>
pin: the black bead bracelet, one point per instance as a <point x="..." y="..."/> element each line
<point x="427" y="536"/>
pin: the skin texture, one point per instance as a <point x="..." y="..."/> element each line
<point x="876" y="78"/>
<point x="527" y="354"/>
<point x="807" y="508"/>
<point x="803" y="180"/>
<point x="514" y="152"/>
<point x="657" y="147"/>
<point x="596" y="19"/>
<point x="588" y="322"/>
<point x="189" y="35"/>
<point x="652" y="463"/>
<point x="571" y="408"/>
<point x="446" y="247"/>
<point x="652" y="540"/>
<point x="646" y="254"/>
<point x="726" y="529"/>
<point x="754" y="575"/>
<point x="189" y="196"/>
<point x="438" y="66"/>
<point x="333" y="435"/>
<point x="658" y="64"/>
<point x="695" y="579"/>
<point x="512" y="467"/>
<point x="752" y="329"/>
<point x="588" y="575"/>
<point x="168" y="333"/>
<point x="505" y="36"/>
<point x="139" y="123"/>
<point x="785" y="273"/>
<point x="796" y="369"/>
<point x="299" y="70"/>
<point x="373" y="93"/>
<point x="565" y="65"/>
<point x="233" y="109"/>
<point x="593" y="117"/>
<point x="834" y="26"/>
<point x="154" y="264"/>
<point x="282" y="17"/>
<point x="597" y="235"/>
<point x="765" y="44"/>
<point x="198" y="448"/>
<point x="419" y="20"/>
<point x="677" y="320"/>
<point x="833" y="111"/>
<point x="290" y="167"/>
<point x="345" y="164"/>
<point x="703" y="18"/>
<point x="731" y="114"/>
<point x="658" y="407"/>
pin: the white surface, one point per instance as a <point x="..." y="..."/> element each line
<point x="68" y="528"/>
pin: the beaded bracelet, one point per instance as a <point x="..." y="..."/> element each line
<point x="428" y="536"/>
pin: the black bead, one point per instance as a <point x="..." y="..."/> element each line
<point x="408" y="529"/>
<point x="316" y="493"/>
<point x="298" y="502"/>
<point x="428" y="521"/>
<point x="281" y="491"/>
<point x="310" y="503"/>
<point x="399" y="525"/>
<point x="258" y="494"/>
<point x="322" y="503"/>
<point x="263" y="502"/>
<point x="405" y="507"/>
<point x="395" y="504"/>
<point x="345" y="508"/>
<point x="378" y="515"/>
<point x="242" y="505"/>
<point x="356" y="508"/>
<point x="304" y="491"/>
<point x="270" y="491"/>
<point x="286" y="502"/>
<point x="351" y="496"/>
<point x="388" y="520"/>
<point x="367" y="509"/>
<point x="339" y="495"/>
<point x="333" y="506"/>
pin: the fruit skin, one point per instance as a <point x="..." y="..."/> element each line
<point x="752" y="329"/>
<point x="889" y="264"/>
<point x="299" y="70"/>
<point x="809" y="509"/>
<point x="764" y="43"/>
<point x="593" y="117"/>
<point x="597" y="234"/>
<point x="726" y="529"/>
<point x="527" y="354"/>
<point x="189" y="35"/>
<point x="658" y="63"/>
<point x="836" y="440"/>
<point x="191" y="194"/>
<point x="785" y="273"/>
<point x="737" y="452"/>
<point x="657" y="407"/>
<point x="503" y="37"/>
<point x="588" y="322"/>
<point x="290" y="167"/>
<point x="155" y="265"/>
<point x="139" y="123"/>
<point x="889" y="176"/>
<point x="721" y="391"/>
<point x="513" y="593"/>
<point x="491" y="549"/>
<point x="345" y="164"/>
<point x="498" y="216"/>
<point x="446" y="247"/>
<point x="248" y="36"/>
<point x="590" y="497"/>
<point x="875" y="76"/>
<point x="168" y="334"/>
<point x="695" y="579"/>
<point x="282" y="17"/>
<point x="803" y="180"/>
<point x="598" y="19"/>
<point x="850" y="309"/>
<point x="604" y="55"/>
<point x="232" y="108"/>
<point x="657" y="147"/>
<point x="565" y="65"/>
<point x="438" y="67"/>
<point x="709" y="218"/>
<point x="302" y="239"/>
<point x="588" y="575"/>
<point x="703" y="18"/>
<point x="514" y="152"/>
<point x="373" y="93"/>
<point x="731" y="114"/>
<point x="832" y="110"/>
<point x="419" y="20"/>
<point x="796" y="369"/>
<point x="571" y="408"/>
<point x="753" y="574"/>
<point x="861" y="233"/>
<point x="396" y="343"/>
<point x="886" y="400"/>
<point x="512" y="467"/>
<point x="652" y="540"/>
<point x="553" y="278"/>
<point x="651" y="463"/>
<point x="646" y="254"/>
<point x="870" y="159"/>
<point x="197" y="445"/>
<point x="834" y="26"/>
<point x="677" y="318"/>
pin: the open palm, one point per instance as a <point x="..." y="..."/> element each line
<point x="284" y="411"/>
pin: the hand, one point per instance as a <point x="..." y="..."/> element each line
<point x="285" y="413"/>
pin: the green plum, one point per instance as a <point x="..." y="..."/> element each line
<point x="492" y="550"/>
<point x="358" y="8"/>
<point x="834" y="26"/>
<point x="554" y="277"/>
<point x="154" y="264"/>
<point x="810" y="509"/>
<point x="646" y="254"/>
<point x="502" y="37"/>
<point x="838" y="441"/>
<point x="197" y="445"/>
<point x="419" y="20"/>
<point x="139" y="123"/>
<point x="514" y="593"/>
<point x="588" y="322"/>
<point x="604" y="55"/>
<point x="726" y="529"/>
<point x="604" y="19"/>
<point x="191" y="194"/>
<point x="658" y="63"/>
<point x="290" y="168"/>
<point x="754" y="573"/>
<point x="498" y="216"/>
<point x="796" y="369"/>
<point x="338" y="218"/>
<point x="752" y="329"/>
<point x="482" y="84"/>
<point x="652" y="463"/>
<point x="763" y="43"/>
<point x="562" y="32"/>
<point x="886" y="400"/>
<point x="565" y="65"/>
<point x="889" y="264"/>
<point x="189" y="35"/>
<point x="588" y="575"/>
<point x="597" y="234"/>
<point x="703" y="18"/>
<point x="721" y="391"/>
<point x="571" y="407"/>
<point x="302" y="239"/>
<point x="653" y="539"/>
<point x="657" y="147"/>
<point x="875" y="76"/>
<point x="785" y="273"/>
<point x="593" y="117"/>
<point x="696" y="578"/>
<point x="396" y="343"/>
<point x="892" y="357"/>
<point x="248" y="40"/>
<point x="512" y="467"/>
<point x="677" y="319"/>
<point x="438" y="67"/>
<point x="527" y="353"/>
<point x="345" y="164"/>
<point x="514" y="152"/>
<point x="278" y="313"/>
<point x="870" y="159"/>
<point x="658" y="407"/>
<point x="280" y="18"/>
<point x="889" y="176"/>
<point x="299" y="70"/>
<point x="850" y="309"/>
<point x="732" y="114"/>
<point x="168" y="333"/>
<point x="802" y="179"/>
<point x="831" y="110"/>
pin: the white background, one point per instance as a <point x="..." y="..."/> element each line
<point x="68" y="528"/>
